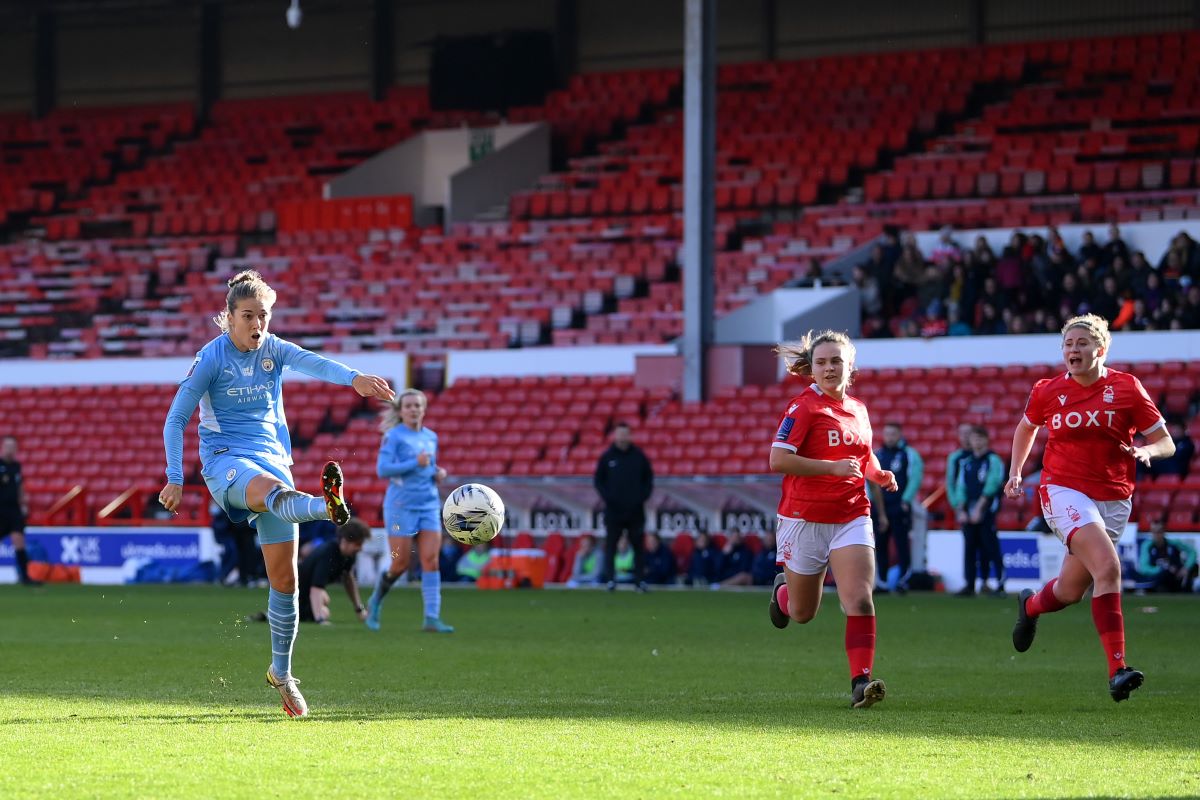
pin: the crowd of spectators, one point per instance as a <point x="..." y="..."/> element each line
<point x="1031" y="286"/>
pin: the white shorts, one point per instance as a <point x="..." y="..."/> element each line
<point x="804" y="546"/>
<point x="1067" y="510"/>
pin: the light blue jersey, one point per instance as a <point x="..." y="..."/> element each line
<point x="241" y="405"/>
<point x="411" y="487"/>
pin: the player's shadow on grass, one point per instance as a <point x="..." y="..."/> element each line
<point x="204" y="717"/>
<point x="822" y="712"/>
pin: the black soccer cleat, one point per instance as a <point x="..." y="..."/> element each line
<point x="779" y="617"/>
<point x="866" y="691"/>
<point x="335" y="500"/>
<point x="1026" y="627"/>
<point x="1124" y="682"/>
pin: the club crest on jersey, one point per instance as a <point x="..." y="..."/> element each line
<point x="268" y="364"/>
<point x="1062" y="399"/>
<point x="231" y="474"/>
<point x="1073" y="513"/>
<point x="1109" y="394"/>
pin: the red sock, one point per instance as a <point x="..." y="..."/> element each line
<point x="1110" y="624"/>
<point x="781" y="597"/>
<point x="860" y="645"/>
<point x="1044" y="601"/>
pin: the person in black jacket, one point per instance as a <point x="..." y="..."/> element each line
<point x="625" y="481"/>
<point x="14" y="507"/>
<point x="333" y="561"/>
<point x="660" y="563"/>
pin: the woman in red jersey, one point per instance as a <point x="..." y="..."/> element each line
<point x="823" y="449"/>
<point x="1092" y="413"/>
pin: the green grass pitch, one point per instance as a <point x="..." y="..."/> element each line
<point x="159" y="692"/>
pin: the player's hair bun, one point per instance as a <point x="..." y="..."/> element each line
<point x="245" y="276"/>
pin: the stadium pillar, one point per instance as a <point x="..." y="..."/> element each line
<point x="383" y="48"/>
<point x="699" y="157"/>
<point x="208" y="90"/>
<point x="45" y="63"/>
<point x="566" y="38"/>
<point x="770" y="29"/>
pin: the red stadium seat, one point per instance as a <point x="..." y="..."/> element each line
<point x="682" y="547"/>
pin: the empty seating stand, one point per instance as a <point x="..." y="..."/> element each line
<point x="556" y="426"/>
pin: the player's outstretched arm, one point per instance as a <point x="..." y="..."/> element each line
<point x="875" y="473"/>
<point x="187" y="397"/>
<point x="350" y="583"/>
<point x="372" y="386"/>
<point x="170" y="497"/>
<point x="791" y="464"/>
<point x="326" y="369"/>
<point x="318" y="599"/>
<point x="1159" y="444"/>
<point x="1022" y="443"/>
<point x="396" y="459"/>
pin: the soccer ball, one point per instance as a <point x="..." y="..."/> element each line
<point x="473" y="514"/>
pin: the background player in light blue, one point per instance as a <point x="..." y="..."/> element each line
<point x="412" y="505"/>
<point x="246" y="452"/>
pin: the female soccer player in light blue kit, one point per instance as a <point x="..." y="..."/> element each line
<point x="411" y="507"/>
<point x="246" y="452"/>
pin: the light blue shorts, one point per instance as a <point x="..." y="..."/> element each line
<point x="228" y="477"/>
<point x="410" y="521"/>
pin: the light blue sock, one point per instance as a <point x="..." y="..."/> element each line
<point x="293" y="506"/>
<point x="431" y="593"/>
<point x="283" y="617"/>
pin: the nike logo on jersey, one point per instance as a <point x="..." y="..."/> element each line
<point x="793" y="407"/>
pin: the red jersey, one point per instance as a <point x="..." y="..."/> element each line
<point x="817" y="426"/>
<point x="1088" y="425"/>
